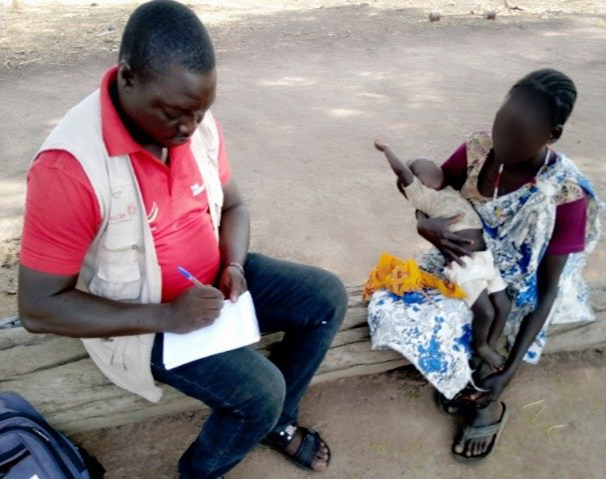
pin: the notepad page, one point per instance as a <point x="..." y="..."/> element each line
<point x="236" y="327"/>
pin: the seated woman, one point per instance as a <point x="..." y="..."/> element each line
<point x="540" y="217"/>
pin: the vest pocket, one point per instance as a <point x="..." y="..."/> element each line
<point x="119" y="281"/>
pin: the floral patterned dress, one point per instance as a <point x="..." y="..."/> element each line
<point x="436" y="335"/>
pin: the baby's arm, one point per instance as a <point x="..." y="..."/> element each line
<point x="402" y="171"/>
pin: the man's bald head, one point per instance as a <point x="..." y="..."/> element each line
<point x="162" y="33"/>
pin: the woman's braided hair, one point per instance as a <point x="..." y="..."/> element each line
<point x="559" y="89"/>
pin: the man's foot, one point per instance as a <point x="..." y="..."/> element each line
<point x="481" y="432"/>
<point x="491" y="357"/>
<point x="322" y="456"/>
<point x="303" y="446"/>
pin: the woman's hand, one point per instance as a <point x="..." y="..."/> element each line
<point x="452" y="245"/>
<point x="233" y="283"/>
<point x="494" y="384"/>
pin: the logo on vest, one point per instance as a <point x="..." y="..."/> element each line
<point x="197" y="189"/>
<point x="131" y="210"/>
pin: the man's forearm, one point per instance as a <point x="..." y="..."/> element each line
<point x="82" y="315"/>
<point x="235" y="235"/>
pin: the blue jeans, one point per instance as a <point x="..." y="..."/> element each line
<point x="249" y="394"/>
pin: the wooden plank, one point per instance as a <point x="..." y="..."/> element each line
<point x="576" y="337"/>
<point x="57" y="376"/>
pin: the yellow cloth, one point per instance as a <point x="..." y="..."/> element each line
<point x="401" y="276"/>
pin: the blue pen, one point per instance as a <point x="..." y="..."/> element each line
<point x="190" y="277"/>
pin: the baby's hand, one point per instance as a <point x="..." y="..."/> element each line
<point x="379" y="145"/>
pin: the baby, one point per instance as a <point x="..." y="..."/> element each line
<point x="423" y="183"/>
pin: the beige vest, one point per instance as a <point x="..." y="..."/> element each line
<point x="121" y="263"/>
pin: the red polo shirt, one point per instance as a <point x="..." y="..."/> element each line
<point x="62" y="215"/>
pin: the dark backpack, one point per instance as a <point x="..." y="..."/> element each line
<point x="31" y="449"/>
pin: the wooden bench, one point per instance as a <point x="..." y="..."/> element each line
<point x="57" y="376"/>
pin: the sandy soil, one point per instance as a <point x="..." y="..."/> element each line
<point x="387" y="427"/>
<point x="304" y="88"/>
<point x="45" y="32"/>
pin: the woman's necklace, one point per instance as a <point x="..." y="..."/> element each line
<point x="497" y="181"/>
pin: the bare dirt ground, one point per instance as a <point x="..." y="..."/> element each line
<point x="387" y="427"/>
<point x="304" y="88"/>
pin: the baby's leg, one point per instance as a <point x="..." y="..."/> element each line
<point x="483" y="319"/>
<point x="502" y="307"/>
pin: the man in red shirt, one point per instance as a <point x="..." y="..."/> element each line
<point x="150" y="106"/>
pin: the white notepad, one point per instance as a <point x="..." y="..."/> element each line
<point x="236" y="327"/>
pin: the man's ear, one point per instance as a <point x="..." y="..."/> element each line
<point x="556" y="133"/>
<point x="125" y="74"/>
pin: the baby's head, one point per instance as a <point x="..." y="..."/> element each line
<point x="430" y="174"/>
